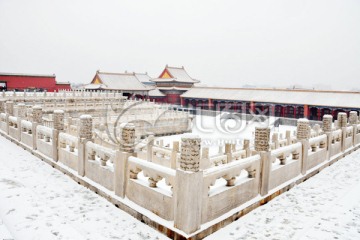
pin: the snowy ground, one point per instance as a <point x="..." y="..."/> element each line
<point x="215" y="131"/>
<point x="327" y="206"/>
<point x="39" y="202"/>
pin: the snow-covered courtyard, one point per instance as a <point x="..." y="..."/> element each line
<point x="39" y="202"/>
<point x="327" y="206"/>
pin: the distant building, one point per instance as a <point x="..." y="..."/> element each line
<point x="31" y="82"/>
<point x="128" y="83"/>
<point x="173" y="82"/>
<point x="311" y="104"/>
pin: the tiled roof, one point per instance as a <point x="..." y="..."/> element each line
<point x="143" y="77"/>
<point x="156" y="93"/>
<point x="121" y="81"/>
<point x="339" y="99"/>
<point x="178" y="75"/>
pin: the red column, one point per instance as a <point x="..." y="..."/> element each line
<point x="306" y="111"/>
<point x="319" y="113"/>
<point x="272" y="110"/>
<point x="252" y="107"/>
<point x="210" y="103"/>
<point x="294" y="111"/>
<point x="181" y="101"/>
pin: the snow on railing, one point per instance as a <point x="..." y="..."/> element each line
<point x="237" y="180"/>
<point x="44" y="133"/>
<point x="151" y="186"/>
<point x="237" y="155"/>
<point x="218" y="160"/>
<point x="68" y="142"/>
<point x="336" y="136"/>
<point x="26" y="126"/>
<point x="102" y="155"/>
<point x="317" y="142"/>
<point x="286" y="164"/>
<point x="44" y="141"/>
<point x="13" y="122"/>
<point x="99" y="165"/>
<point x="317" y="152"/>
<point x="152" y="171"/>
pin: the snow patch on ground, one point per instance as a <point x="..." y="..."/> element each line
<point x="39" y="202"/>
<point x="327" y="206"/>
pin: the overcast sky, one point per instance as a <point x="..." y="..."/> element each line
<point x="223" y="43"/>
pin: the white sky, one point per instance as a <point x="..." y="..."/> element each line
<point x="224" y="43"/>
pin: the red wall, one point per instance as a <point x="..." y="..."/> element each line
<point x="173" y="98"/>
<point x="62" y="87"/>
<point x="26" y="82"/>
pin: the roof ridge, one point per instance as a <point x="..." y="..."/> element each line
<point x="111" y="73"/>
<point x="182" y="67"/>
<point x="27" y="74"/>
<point x="280" y="89"/>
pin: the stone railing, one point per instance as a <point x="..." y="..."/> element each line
<point x="237" y="182"/>
<point x="68" y="150"/>
<point x="156" y="185"/>
<point x="182" y="185"/>
<point x="28" y="133"/>
<point x="286" y="163"/>
<point x="317" y="152"/>
<point x="99" y="164"/>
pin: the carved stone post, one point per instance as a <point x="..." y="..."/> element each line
<point x="21" y="110"/>
<point x="303" y="135"/>
<point x="58" y="127"/>
<point x="327" y="123"/>
<point x="59" y="120"/>
<point x="85" y="135"/>
<point x="21" y="113"/>
<point x="262" y="146"/>
<point x="317" y="129"/>
<point x="327" y="128"/>
<point x="37" y="114"/>
<point x="190" y="154"/>
<point x="10" y="108"/>
<point x="262" y="138"/>
<point x="175" y="150"/>
<point x="228" y="152"/>
<point x="149" y="147"/>
<point x="246" y="147"/>
<point x="342" y="123"/>
<point x="85" y="130"/>
<point x="353" y="120"/>
<point x="205" y="158"/>
<point x="2" y="106"/>
<point x="126" y="149"/>
<point x="275" y="139"/>
<point x="288" y="137"/>
<point x="188" y="186"/>
<point x="127" y="137"/>
<point x="342" y="120"/>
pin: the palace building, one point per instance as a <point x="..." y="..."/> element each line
<point x="173" y="82"/>
<point x="31" y="82"/>
<point x="128" y="83"/>
<point x="311" y="104"/>
<point x="175" y="86"/>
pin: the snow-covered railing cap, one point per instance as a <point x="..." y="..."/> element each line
<point x="85" y="116"/>
<point x="127" y="125"/>
<point x="59" y="111"/>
